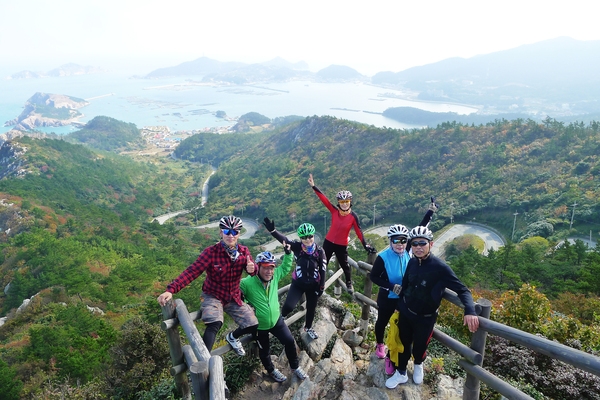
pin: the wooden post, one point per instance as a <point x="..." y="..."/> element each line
<point x="216" y="378"/>
<point x="368" y="291"/>
<point x="472" y="384"/>
<point x="337" y="289"/>
<point x="181" y="382"/>
<point x="200" y="372"/>
<point x="191" y="332"/>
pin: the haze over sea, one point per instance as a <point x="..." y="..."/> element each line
<point x="186" y="104"/>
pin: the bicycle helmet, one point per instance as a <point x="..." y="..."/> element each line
<point x="265" y="258"/>
<point x="397" y="230"/>
<point x="305" y="229"/>
<point x="230" y="222"/>
<point x="421" y="232"/>
<point x="344" y="195"/>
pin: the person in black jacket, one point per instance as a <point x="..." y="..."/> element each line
<point x="308" y="277"/>
<point x="423" y="286"/>
<point x="387" y="273"/>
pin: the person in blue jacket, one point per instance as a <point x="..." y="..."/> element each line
<point x="387" y="273"/>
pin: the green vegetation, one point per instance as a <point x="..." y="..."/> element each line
<point x="483" y="172"/>
<point x="81" y="235"/>
<point x="62" y="113"/>
<point x="109" y="134"/>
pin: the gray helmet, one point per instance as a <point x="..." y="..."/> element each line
<point x="397" y="230"/>
<point x="421" y="232"/>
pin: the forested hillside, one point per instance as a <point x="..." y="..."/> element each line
<point x="105" y="133"/>
<point x="78" y="242"/>
<point x="487" y="172"/>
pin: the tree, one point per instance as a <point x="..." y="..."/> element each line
<point x="10" y="386"/>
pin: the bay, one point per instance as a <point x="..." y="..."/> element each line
<point x="187" y="104"/>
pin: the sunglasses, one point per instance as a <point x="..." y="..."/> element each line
<point x="231" y="232"/>
<point x="419" y="244"/>
<point x="400" y="240"/>
<point x="306" y="237"/>
<point x="344" y="201"/>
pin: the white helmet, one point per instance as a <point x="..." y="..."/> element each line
<point x="344" y="195"/>
<point x="397" y="230"/>
<point x="231" y="222"/>
<point x="421" y="232"/>
<point x="265" y="258"/>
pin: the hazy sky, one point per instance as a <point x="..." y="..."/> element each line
<point x="369" y="36"/>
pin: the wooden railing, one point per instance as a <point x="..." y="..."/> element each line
<point x="473" y="355"/>
<point x="206" y="368"/>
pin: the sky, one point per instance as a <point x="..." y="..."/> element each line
<point x="139" y="36"/>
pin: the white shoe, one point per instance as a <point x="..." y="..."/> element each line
<point x="396" y="380"/>
<point x="418" y="374"/>
<point x="235" y="344"/>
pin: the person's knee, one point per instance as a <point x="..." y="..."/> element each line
<point x="214" y="326"/>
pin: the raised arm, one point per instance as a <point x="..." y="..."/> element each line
<point x="330" y="206"/>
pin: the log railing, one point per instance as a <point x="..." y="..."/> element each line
<point x="206" y="368"/>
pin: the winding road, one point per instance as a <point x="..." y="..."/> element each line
<point x="491" y="239"/>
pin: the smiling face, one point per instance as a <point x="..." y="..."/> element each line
<point x="308" y="240"/>
<point x="344" y="204"/>
<point x="228" y="237"/>
<point x="398" y="243"/>
<point x="266" y="271"/>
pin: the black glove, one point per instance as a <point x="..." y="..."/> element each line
<point x="269" y="224"/>
<point x="433" y="206"/>
<point x="287" y="248"/>
<point x="370" y="249"/>
<point x="319" y="292"/>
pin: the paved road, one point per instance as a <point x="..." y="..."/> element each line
<point x="492" y="240"/>
<point x="162" y="218"/>
<point x="205" y="187"/>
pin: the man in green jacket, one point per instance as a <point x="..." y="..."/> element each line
<point x="260" y="291"/>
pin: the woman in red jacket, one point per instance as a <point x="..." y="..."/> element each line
<point x="342" y="220"/>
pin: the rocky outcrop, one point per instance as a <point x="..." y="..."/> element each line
<point x="45" y="109"/>
<point x="341" y="367"/>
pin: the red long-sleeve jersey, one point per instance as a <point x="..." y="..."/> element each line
<point x="340" y="224"/>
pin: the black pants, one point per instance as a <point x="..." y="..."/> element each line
<point x="386" y="309"/>
<point x="283" y="334"/>
<point x="297" y="289"/>
<point x="415" y="334"/>
<point x="341" y="253"/>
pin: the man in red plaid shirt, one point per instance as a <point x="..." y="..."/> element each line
<point x="223" y="264"/>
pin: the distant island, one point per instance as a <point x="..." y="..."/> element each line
<point x="45" y="109"/>
<point x="69" y="69"/>
<point x="276" y="70"/>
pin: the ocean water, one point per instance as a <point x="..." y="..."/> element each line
<point x="187" y="104"/>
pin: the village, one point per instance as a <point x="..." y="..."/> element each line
<point x="161" y="139"/>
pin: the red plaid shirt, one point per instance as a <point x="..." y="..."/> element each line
<point x="222" y="274"/>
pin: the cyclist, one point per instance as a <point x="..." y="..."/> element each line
<point x="223" y="263"/>
<point x="308" y="277"/>
<point x="342" y="220"/>
<point x="388" y="270"/>
<point x="260" y="291"/>
<point x="423" y="286"/>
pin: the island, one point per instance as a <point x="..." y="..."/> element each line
<point x="46" y="109"/>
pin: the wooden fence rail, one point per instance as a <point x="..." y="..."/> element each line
<point x="206" y="368"/>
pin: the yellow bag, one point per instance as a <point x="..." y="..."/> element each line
<point x="393" y="342"/>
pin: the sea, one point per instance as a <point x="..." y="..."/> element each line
<point x="186" y="104"/>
